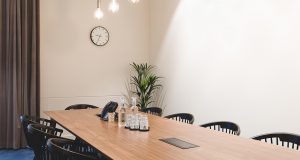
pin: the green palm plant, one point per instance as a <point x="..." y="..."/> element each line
<point x="145" y="82"/>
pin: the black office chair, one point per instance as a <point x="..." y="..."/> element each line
<point x="153" y="110"/>
<point x="284" y="139"/>
<point x="27" y="120"/>
<point x="40" y="134"/>
<point x="81" y="106"/>
<point x="182" y="117"/>
<point x="227" y="127"/>
<point x="63" y="149"/>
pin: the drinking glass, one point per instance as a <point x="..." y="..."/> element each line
<point x="144" y="123"/>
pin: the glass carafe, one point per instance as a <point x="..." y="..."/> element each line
<point x="122" y="113"/>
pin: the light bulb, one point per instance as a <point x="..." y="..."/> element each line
<point x="134" y="1"/>
<point x="114" y="6"/>
<point x="98" y="13"/>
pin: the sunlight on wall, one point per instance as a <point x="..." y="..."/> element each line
<point x="233" y="60"/>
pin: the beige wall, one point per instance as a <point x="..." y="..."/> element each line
<point x="235" y="60"/>
<point x="73" y="70"/>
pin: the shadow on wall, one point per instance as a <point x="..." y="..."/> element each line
<point x="160" y="27"/>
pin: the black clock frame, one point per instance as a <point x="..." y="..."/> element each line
<point x="105" y="30"/>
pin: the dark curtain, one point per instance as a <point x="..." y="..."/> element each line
<point x="19" y="76"/>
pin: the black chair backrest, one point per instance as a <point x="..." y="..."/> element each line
<point x="182" y="117"/>
<point x="40" y="134"/>
<point x="27" y="120"/>
<point x="63" y="149"/>
<point x="81" y="106"/>
<point x="153" y="110"/>
<point x="227" y="127"/>
<point x="283" y="139"/>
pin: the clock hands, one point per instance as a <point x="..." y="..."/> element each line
<point x="98" y="39"/>
<point x="99" y="36"/>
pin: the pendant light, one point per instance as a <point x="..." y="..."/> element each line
<point x="114" y="6"/>
<point x="98" y="13"/>
<point x="134" y="1"/>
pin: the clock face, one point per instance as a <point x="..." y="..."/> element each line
<point x="99" y="36"/>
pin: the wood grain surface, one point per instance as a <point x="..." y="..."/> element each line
<point x="123" y="144"/>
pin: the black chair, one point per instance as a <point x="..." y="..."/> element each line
<point x="63" y="149"/>
<point x="284" y="139"/>
<point x="81" y="106"/>
<point x="40" y="134"/>
<point x="182" y="117"/>
<point x="27" y="120"/>
<point x="227" y="127"/>
<point x="153" y="110"/>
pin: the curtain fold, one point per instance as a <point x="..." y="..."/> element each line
<point x="19" y="79"/>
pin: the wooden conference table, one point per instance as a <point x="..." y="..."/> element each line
<point x="120" y="143"/>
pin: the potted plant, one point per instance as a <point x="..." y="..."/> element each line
<point x="145" y="83"/>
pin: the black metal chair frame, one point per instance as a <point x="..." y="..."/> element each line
<point x="223" y="126"/>
<point x="81" y="106"/>
<point x="27" y="120"/>
<point x="153" y="110"/>
<point x="182" y="117"/>
<point x="40" y="134"/>
<point x="60" y="149"/>
<point x="284" y="139"/>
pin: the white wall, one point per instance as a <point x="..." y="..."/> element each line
<point x="73" y="70"/>
<point x="230" y="60"/>
<point x="235" y="60"/>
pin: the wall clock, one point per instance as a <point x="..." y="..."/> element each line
<point x="99" y="36"/>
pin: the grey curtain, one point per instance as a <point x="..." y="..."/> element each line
<point x="19" y="66"/>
